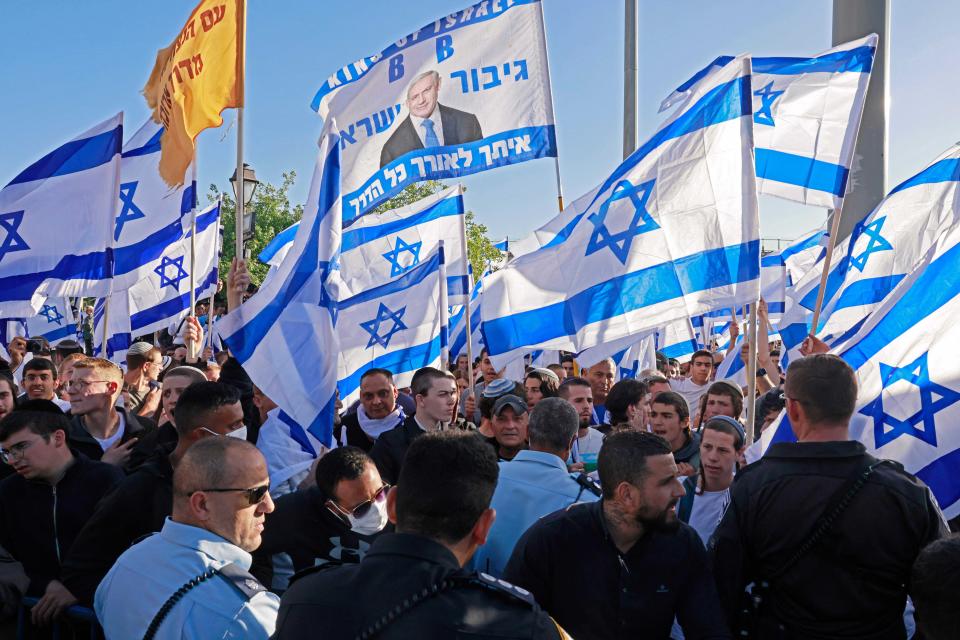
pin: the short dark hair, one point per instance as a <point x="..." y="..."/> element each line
<point x="623" y="458"/>
<point x="423" y="379"/>
<point x="675" y="400"/>
<point x="662" y="362"/>
<point x="548" y="386"/>
<point x="445" y="485"/>
<point x="724" y="388"/>
<point x="572" y="381"/>
<point x="66" y="347"/>
<point x="343" y="463"/>
<point x="567" y="358"/>
<point x="41" y="417"/>
<point x="553" y="423"/>
<point x="935" y="589"/>
<point x="721" y="425"/>
<point x="825" y="385"/>
<point x="702" y="353"/>
<point x="40" y="364"/>
<point x="14" y="389"/>
<point x="623" y="394"/>
<point x="199" y="399"/>
<point x="377" y="371"/>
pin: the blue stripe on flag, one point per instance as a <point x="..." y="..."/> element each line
<point x="76" y="155"/>
<point x="452" y="206"/>
<point x="169" y="308"/>
<point x="680" y="349"/>
<point x="666" y="281"/>
<point x="297" y="434"/>
<point x="868" y="291"/>
<point x="407" y="280"/>
<point x="801" y="171"/>
<point x="941" y="476"/>
<point x="152" y="146"/>
<point x="944" y="171"/>
<point x="279" y="241"/>
<point x="396" y="361"/>
<point x="856" y="60"/>
<point x="458" y="285"/>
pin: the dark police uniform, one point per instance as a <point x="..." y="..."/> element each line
<point x="852" y="584"/>
<point x="391" y="594"/>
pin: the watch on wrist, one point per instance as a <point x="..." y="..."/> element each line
<point x="761" y="372"/>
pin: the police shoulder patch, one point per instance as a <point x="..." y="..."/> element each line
<point x="502" y="586"/>
<point x="242" y="580"/>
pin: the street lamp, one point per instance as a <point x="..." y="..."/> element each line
<point x="249" y="182"/>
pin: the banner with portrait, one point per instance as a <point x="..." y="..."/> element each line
<point x="466" y="93"/>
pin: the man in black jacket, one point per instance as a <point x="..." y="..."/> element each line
<point x="334" y="521"/>
<point x="852" y="583"/>
<point x="145" y="498"/>
<point x="100" y="429"/>
<point x="44" y="506"/>
<point x="435" y="392"/>
<point x="377" y="413"/>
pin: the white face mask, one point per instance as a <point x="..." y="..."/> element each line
<point x="373" y="521"/>
<point x="240" y="434"/>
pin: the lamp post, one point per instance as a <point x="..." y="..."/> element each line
<point x="246" y="218"/>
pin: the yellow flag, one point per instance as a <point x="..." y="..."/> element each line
<point x="194" y="79"/>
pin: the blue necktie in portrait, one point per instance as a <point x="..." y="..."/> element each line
<point x="430" y="139"/>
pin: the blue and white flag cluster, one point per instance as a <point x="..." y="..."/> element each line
<point x="465" y="93"/>
<point x="630" y="264"/>
<point x="398" y="325"/>
<point x="458" y="322"/>
<point x="116" y="315"/>
<point x="55" y="322"/>
<point x="807" y="115"/>
<point x="57" y="222"/>
<point x="290" y="321"/>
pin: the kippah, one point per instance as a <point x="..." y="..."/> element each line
<point x="548" y="373"/>
<point x="498" y="387"/>
<point x="139" y="348"/>
<point x="733" y="423"/>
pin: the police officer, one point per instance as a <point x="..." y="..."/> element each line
<point x="411" y="583"/>
<point x="825" y="532"/>
<point x="191" y="580"/>
<point x="535" y="483"/>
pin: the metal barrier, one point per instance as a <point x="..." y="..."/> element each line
<point x="77" y="614"/>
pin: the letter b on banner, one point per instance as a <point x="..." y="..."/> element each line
<point x="444" y="48"/>
<point x="395" y="71"/>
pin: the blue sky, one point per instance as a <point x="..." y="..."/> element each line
<point x="68" y="66"/>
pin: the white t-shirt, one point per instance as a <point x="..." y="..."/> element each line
<point x="707" y="510"/>
<point x="691" y="392"/>
<point x="115" y="438"/>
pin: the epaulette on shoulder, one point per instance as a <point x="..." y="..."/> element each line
<point x="309" y="571"/>
<point x="587" y="483"/>
<point x="242" y="580"/>
<point x="498" y="585"/>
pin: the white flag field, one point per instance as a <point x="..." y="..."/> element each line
<point x="630" y="262"/>
<point x="465" y="93"/>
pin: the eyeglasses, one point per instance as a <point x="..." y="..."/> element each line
<point x="364" y="507"/>
<point x="81" y="385"/>
<point x="253" y="496"/>
<point x="15" y="453"/>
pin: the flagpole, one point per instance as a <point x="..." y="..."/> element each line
<point x="469" y="294"/>
<point x="822" y="289"/>
<point x="444" y="319"/>
<point x="241" y="75"/>
<point x="751" y="373"/>
<point x="213" y="294"/>
<point x="550" y="114"/>
<point x="629" y="78"/>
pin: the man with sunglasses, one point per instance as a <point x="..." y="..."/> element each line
<point x="140" y="504"/>
<point x="44" y="505"/>
<point x="220" y="500"/>
<point x="334" y="521"/>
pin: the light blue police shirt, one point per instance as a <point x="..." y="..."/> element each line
<point x="150" y="572"/>
<point x="532" y="485"/>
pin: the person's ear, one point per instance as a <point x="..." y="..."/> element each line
<point x="199" y="506"/>
<point x="392" y="505"/>
<point x="481" y="529"/>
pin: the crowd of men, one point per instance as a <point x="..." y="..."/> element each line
<point x="177" y="500"/>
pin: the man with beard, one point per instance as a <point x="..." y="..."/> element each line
<point x="624" y="566"/>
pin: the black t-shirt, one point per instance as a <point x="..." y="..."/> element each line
<point x="576" y="573"/>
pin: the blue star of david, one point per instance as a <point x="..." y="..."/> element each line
<point x="165" y="280"/>
<point x="876" y="244"/>
<point x="767" y="97"/>
<point x="12" y="241"/>
<point x="52" y="314"/>
<point x="373" y="326"/>
<point x="886" y="428"/>
<point x="130" y="210"/>
<point x="619" y="243"/>
<point x="393" y="257"/>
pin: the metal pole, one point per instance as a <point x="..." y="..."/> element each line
<point x="629" y="77"/>
<point x="550" y="114"/>
<point x="241" y="64"/>
<point x="751" y="372"/>
<point x="467" y="328"/>
<point x="193" y="347"/>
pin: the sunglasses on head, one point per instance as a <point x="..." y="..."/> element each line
<point x="253" y="496"/>
<point x="364" y="507"/>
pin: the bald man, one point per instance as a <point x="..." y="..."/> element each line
<point x="221" y="497"/>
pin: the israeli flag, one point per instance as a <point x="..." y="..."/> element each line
<point x="779" y="271"/>
<point x="632" y="263"/>
<point x="163" y="298"/>
<point x="396" y="326"/>
<point x="465" y="93"/>
<point x="807" y="115"/>
<point x="290" y="320"/>
<point x="676" y="340"/>
<point x="884" y="247"/>
<point x="908" y="403"/>
<point x="55" y="322"/>
<point x="276" y="250"/>
<point x="458" y="322"/>
<point x="56" y="222"/>
<point x="150" y="215"/>
<point x="116" y="315"/>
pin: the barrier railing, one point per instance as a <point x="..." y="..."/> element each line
<point x="81" y="615"/>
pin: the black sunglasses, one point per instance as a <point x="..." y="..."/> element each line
<point x="361" y="509"/>
<point x="254" y="495"/>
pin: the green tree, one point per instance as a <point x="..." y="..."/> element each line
<point x="274" y="213"/>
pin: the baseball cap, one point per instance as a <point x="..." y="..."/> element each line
<point x="509" y="400"/>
